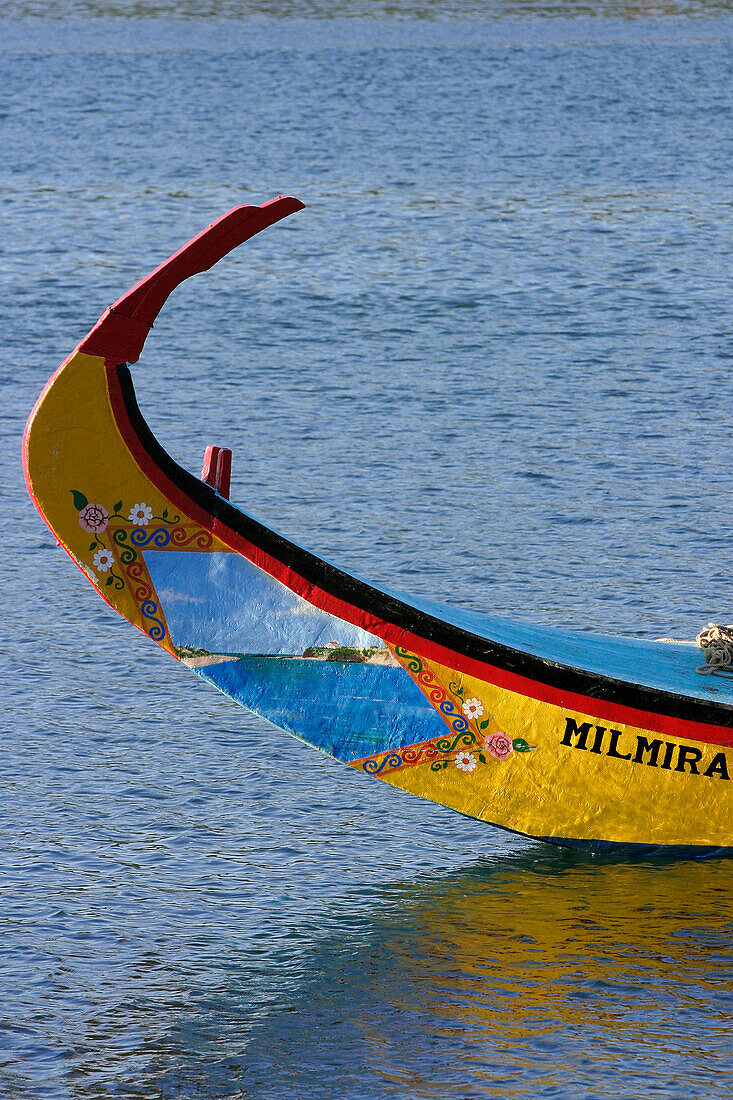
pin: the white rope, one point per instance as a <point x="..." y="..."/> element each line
<point x="716" y="642"/>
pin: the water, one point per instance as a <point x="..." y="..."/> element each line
<point x="489" y="364"/>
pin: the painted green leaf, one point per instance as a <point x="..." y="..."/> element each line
<point x="93" y="545"/>
<point x="118" y="505"/>
<point x="520" y="745"/>
<point x="165" y="513"/>
<point x="80" y="501"/>
<point x="482" y="758"/>
<point x="484" y="724"/>
<point x="109" y="580"/>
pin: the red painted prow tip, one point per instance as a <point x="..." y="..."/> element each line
<point x="217" y="470"/>
<point x="120" y="333"/>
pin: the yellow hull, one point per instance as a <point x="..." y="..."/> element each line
<point x="549" y="747"/>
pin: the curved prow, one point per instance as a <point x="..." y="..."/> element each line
<point x="121" y="331"/>
<point x="76" y="446"/>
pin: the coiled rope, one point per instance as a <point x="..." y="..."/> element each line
<point x="716" y="642"/>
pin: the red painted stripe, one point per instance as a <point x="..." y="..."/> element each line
<point x="675" y="728"/>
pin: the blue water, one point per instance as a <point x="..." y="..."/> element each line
<point x="491" y="365"/>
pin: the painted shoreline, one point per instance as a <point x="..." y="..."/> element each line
<point x="343" y="654"/>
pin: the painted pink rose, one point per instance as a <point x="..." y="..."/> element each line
<point x="93" y="518"/>
<point x="499" y="745"/>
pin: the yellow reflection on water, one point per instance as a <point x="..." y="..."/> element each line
<point x="556" y="969"/>
<point x="531" y="975"/>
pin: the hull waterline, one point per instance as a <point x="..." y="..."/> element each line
<point x="582" y="740"/>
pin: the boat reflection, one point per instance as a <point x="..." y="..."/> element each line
<point x="536" y="974"/>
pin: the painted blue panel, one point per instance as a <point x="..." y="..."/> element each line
<point x="668" y="666"/>
<point x="223" y="603"/>
<point x="348" y="710"/>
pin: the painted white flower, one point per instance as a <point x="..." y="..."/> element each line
<point x="140" y="515"/>
<point x="473" y="708"/>
<point x="465" y="761"/>
<point x="103" y="560"/>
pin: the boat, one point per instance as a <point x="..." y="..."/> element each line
<point x="583" y="740"/>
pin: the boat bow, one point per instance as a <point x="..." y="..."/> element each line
<point x="569" y="737"/>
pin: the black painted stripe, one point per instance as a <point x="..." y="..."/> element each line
<point x="376" y="603"/>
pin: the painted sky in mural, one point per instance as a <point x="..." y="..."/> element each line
<point x="223" y="603"/>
